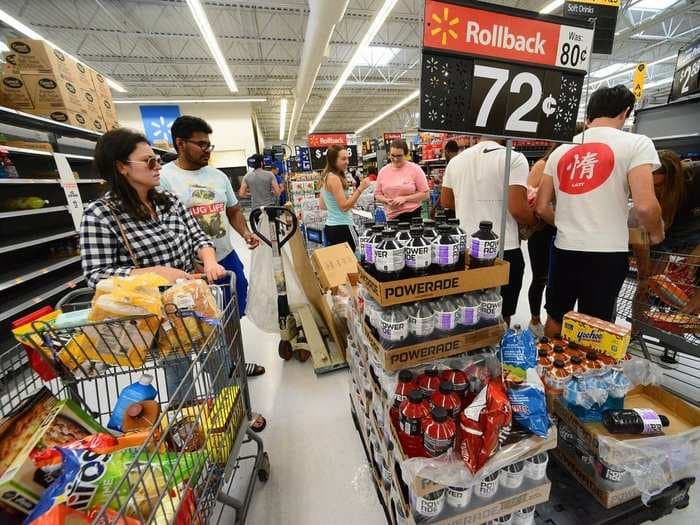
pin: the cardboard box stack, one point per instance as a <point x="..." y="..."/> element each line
<point x="423" y="494"/>
<point x="44" y="81"/>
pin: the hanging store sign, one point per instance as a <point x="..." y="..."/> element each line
<point x="640" y="75"/>
<point x="303" y="155"/>
<point x="604" y="12"/>
<point x="388" y="137"/>
<point x="685" y="78"/>
<point x="318" y="157"/>
<point x="70" y="188"/>
<point x="503" y="72"/>
<point x="320" y="142"/>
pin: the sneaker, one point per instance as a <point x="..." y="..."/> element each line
<point x="537" y="330"/>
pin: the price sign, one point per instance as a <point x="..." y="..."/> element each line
<point x="685" y="78"/>
<point x="604" y="12"/>
<point x="318" y="158"/>
<point x="70" y="188"/>
<point x="504" y="72"/>
<point x="388" y="137"/>
<point x="320" y="142"/>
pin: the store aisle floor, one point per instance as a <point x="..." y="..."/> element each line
<point x="319" y="473"/>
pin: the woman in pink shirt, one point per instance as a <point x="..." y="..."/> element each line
<point x="401" y="185"/>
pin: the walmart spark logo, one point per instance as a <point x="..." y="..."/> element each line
<point x="444" y="30"/>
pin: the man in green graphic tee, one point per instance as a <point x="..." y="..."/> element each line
<point x="207" y="193"/>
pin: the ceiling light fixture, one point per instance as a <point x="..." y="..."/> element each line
<point x="200" y="18"/>
<point x="389" y="111"/>
<point x="551" y="6"/>
<point x="283" y="116"/>
<point x="186" y="100"/>
<point x="374" y="27"/>
<point x="30" y="33"/>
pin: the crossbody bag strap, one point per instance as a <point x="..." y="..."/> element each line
<point x="134" y="261"/>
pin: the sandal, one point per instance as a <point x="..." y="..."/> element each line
<point x="254" y="369"/>
<point x="258" y="423"/>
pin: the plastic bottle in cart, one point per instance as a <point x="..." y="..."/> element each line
<point x="483" y="246"/>
<point x="438" y="432"/>
<point x="411" y="414"/>
<point x="446" y="397"/>
<point x="544" y="361"/>
<point x="446" y="315"/>
<point x="490" y="307"/>
<point x="557" y="378"/>
<point x="429" y="381"/>
<point x="461" y="236"/>
<point x="406" y="385"/>
<point x="389" y="257"/>
<point x="393" y="328"/>
<point x="142" y="390"/>
<point x="634" y="421"/>
<point x="468" y="305"/>
<point x="421" y="321"/>
<point x="370" y="245"/>
<point x="379" y="215"/>
<point x="363" y="239"/>
<point x="403" y="234"/>
<point x="418" y="253"/>
<point x="445" y="250"/>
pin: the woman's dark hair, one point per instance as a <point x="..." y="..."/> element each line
<point x="185" y="126"/>
<point x="673" y="190"/>
<point x="399" y="144"/>
<point x="609" y="102"/>
<point x="117" y="145"/>
<point x="332" y="154"/>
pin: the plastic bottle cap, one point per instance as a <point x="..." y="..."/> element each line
<point x="544" y="340"/>
<point x="432" y="372"/>
<point x="453" y="222"/>
<point x="404" y="226"/>
<point x="591" y="356"/>
<point x="542" y="352"/>
<point x="146" y="379"/>
<point x="558" y="349"/>
<point x="446" y="387"/>
<point x="559" y="363"/>
<point x="405" y="376"/>
<point x="415" y="396"/>
<point x="485" y="225"/>
<point x="388" y="234"/>
<point x="576" y="360"/>
<point x="664" y="421"/>
<point x="416" y="231"/>
<point x="439" y="414"/>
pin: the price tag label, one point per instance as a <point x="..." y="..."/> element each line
<point x="685" y="78"/>
<point x="70" y="188"/>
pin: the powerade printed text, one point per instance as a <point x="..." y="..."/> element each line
<point x="418" y="289"/>
<point x="426" y="351"/>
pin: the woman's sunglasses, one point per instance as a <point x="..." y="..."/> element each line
<point x="150" y="162"/>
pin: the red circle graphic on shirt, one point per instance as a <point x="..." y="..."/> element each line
<point x="585" y="167"/>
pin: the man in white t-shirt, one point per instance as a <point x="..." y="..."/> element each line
<point x="473" y="188"/>
<point x="592" y="180"/>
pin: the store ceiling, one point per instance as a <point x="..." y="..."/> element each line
<point x="154" y="49"/>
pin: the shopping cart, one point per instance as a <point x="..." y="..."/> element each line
<point x="655" y="299"/>
<point x="189" y="451"/>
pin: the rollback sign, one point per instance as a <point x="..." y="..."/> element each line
<point x="320" y="142"/>
<point x="500" y="71"/>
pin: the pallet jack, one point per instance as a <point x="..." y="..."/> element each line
<point x="300" y="335"/>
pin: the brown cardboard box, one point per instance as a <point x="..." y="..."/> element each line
<point x="424" y="352"/>
<point x="100" y="85"/>
<point x="682" y="417"/>
<point x="91" y="103"/>
<point x="109" y="114"/>
<point x="82" y="76"/>
<point x="36" y="57"/>
<point x="333" y="264"/>
<point x="410" y="290"/>
<point x="53" y="93"/>
<point x="13" y="90"/>
<point x="65" y="116"/>
<point x="11" y="66"/>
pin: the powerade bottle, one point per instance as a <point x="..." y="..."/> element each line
<point x="416" y="221"/>
<point x="468" y="311"/>
<point x="490" y="307"/>
<point x="379" y="215"/>
<point x="445" y="250"/>
<point x="446" y="315"/>
<point x="461" y="236"/>
<point x="403" y="235"/>
<point x="371" y="245"/>
<point x="418" y="253"/>
<point x="389" y="257"/>
<point x="429" y="230"/>
<point x="393" y="329"/>
<point x="421" y="321"/>
<point x="362" y="240"/>
<point x="440" y="218"/>
<point x="634" y="421"/>
<point x="483" y="246"/>
<point x="392" y="224"/>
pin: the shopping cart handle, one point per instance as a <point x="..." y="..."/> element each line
<point x="273" y="213"/>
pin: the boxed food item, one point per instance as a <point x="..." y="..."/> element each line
<point x="100" y="85"/>
<point x="53" y="93"/>
<point x="13" y="91"/>
<point x="36" y="57"/>
<point x="91" y="103"/>
<point x="602" y="336"/>
<point x="72" y="117"/>
<point x="83" y="78"/>
<point x="41" y="422"/>
<point x="109" y="114"/>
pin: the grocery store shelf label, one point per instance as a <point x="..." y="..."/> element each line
<point x="70" y="187"/>
<point x="502" y="72"/>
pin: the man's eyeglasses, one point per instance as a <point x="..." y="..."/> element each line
<point x="204" y="146"/>
<point x="150" y="162"/>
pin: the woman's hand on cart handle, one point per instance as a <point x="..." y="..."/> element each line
<point x="213" y="271"/>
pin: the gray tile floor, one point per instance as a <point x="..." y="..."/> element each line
<point x="319" y="473"/>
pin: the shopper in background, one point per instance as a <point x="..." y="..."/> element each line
<point x="591" y="180"/>
<point x="401" y="185"/>
<point x="372" y="173"/>
<point x="339" y="225"/>
<point x="451" y="150"/>
<point x="279" y="178"/>
<point x="260" y="185"/>
<point x="473" y="188"/>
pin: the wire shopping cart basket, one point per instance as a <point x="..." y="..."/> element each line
<point x="660" y="299"/>
<point x="178" y="455"/>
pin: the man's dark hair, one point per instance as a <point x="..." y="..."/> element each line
<point x="399" y="144"/>
<point x="372" y="170"/>
<point x="609" y="102"/>
<point x="452" y="146"/>
<point x="258" y="161"/>
<point x="185" y="126"/>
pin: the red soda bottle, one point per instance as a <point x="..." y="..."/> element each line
<point x="458" y="379"/>
<point x="405" y="386"/>
<point x="447" y="398"/>
<point x="411" y="414"/>
<point x="429" y="381"/>
<point x="438" y="432"/>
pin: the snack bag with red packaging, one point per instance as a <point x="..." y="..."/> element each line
<point x="483" y="423"/>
